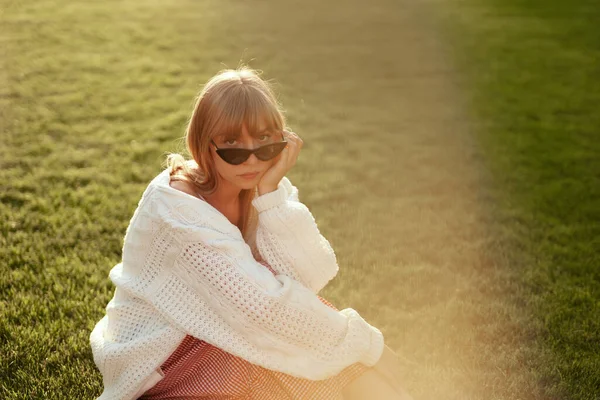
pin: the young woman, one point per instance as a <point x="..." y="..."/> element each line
<point x="216" y="295"/>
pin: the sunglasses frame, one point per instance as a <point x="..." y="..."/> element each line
<point x="247" y="152"/>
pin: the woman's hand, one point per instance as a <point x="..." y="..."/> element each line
<point x="283" y="163"/>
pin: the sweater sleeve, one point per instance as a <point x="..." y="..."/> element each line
<point x="288" y="238"/>
<point x="216" y="291"/>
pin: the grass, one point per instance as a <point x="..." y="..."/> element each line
<point x="532" y="68"/>
<point x="92" y="96"/>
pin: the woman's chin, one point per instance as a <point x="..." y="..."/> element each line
<point x="248" y="184"/>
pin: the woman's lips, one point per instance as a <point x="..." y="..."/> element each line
<point x="250" y="176"/>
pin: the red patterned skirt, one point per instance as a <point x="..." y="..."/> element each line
<point x="199" y="370"/>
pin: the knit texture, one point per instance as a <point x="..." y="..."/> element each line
<point x="187" y="270"/>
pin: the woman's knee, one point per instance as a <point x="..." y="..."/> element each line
<point x="370" y="385"/>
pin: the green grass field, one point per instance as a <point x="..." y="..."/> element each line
<point x="93" y="95"/>
<point x="533" y="67"/>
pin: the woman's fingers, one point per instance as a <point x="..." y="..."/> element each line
<point x="283" y="162"/>
<point x="294" y="146"/>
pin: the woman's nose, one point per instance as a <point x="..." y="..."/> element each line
<point x="252" y="159"/>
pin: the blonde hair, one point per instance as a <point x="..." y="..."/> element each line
<point x="230" y="99"/>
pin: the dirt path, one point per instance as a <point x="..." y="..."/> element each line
<point x="457" y="330"/>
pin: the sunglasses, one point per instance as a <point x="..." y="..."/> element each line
<point x="238" y="156"/>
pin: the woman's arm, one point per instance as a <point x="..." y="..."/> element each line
<point x="287" y="237"/>
<point x="198" y="273"/>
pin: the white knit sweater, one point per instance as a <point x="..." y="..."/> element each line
<point x="186" y="269"/>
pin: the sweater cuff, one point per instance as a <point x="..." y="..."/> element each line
<point x="375" y="350"/>
<point x="271" y="199"/>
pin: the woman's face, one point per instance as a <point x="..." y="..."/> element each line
<point x="247" y="140"/>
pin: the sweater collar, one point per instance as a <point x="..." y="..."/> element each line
<point x="162" y="181"/>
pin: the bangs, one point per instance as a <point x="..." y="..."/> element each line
<point x="245" y="105"/>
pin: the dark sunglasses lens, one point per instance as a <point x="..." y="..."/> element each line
<point x="269" y="151"/>
<point x="234" y="156"/>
